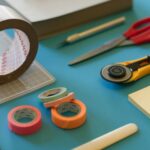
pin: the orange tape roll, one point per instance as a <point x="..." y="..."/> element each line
<point x="69" y="122"/>
<point x="59" y="101"/>
<point x="24" y="120"/>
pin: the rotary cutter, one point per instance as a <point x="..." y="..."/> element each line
<point x="126" y="72"/>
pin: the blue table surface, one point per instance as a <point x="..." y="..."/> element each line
<point x="107" y="104"/>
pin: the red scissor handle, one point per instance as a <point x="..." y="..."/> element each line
<point x="141" y="38"/>
<point x="138" y="27"/>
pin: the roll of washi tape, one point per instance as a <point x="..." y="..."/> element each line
<point x="61" y="114"/>
<point x="24" y="120"/>
<point x="53" y="94"/>
<point x="59" y="101"/>
<point x="17" y="55"/>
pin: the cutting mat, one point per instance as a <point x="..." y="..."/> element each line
<point x="34" y="78"/>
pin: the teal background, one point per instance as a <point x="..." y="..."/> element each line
<point x="107" y="104"/>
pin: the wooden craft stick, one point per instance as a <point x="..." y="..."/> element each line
<point x="89" y="32"/>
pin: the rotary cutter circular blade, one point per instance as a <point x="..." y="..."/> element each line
<point x="116" y="73"/>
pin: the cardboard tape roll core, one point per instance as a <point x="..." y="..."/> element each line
<point x="17" y="54"/>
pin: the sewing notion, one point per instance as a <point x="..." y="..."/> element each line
<point x="137" y="34"/>
<point x="126" y="72"/>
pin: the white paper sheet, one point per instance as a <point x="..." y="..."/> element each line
<point x="37" y="10"/>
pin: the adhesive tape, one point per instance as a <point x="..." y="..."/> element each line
<point x="53" y="94"/>
<point x="69" y="122"/>
<point x="19" y="50"/>
<point x="24" y="120"/>
<point x="59" y="101"/>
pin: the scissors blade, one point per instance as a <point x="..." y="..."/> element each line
<point x="104" y="48"/>
<point x="126" y="43"/>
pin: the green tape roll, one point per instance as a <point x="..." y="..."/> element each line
<point x="53" y="94"/>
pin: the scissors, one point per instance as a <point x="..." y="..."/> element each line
<point x="137" y="34"/>
<point x="125" y="72"/>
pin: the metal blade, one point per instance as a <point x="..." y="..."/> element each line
<point x="93" y="53"/>
<point x="126" y="43"/>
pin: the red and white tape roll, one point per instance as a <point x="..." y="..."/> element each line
<point x="16" y="116"/>
<point x="18" y="44"/>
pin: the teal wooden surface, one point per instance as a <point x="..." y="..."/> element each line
<point x="107" y="104"/>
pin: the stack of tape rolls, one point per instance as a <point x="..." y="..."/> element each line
<point x="24" y="120"/>
<point x="18" y="56"/>
<point x="63" y="104"/>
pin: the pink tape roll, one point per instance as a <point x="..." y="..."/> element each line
<point x="24" y="112"/>
<point x="59" y="101"/>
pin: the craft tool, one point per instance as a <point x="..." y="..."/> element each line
<point x="24" y="120"/>
<point x="109" y="138"/>
<point x="125" y="72"/>
<point x="140" y="99"/>
<point x="137" y="34"/>
<point x="78" y="36"/>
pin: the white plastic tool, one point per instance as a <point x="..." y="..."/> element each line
<point x="109" y="138"/>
